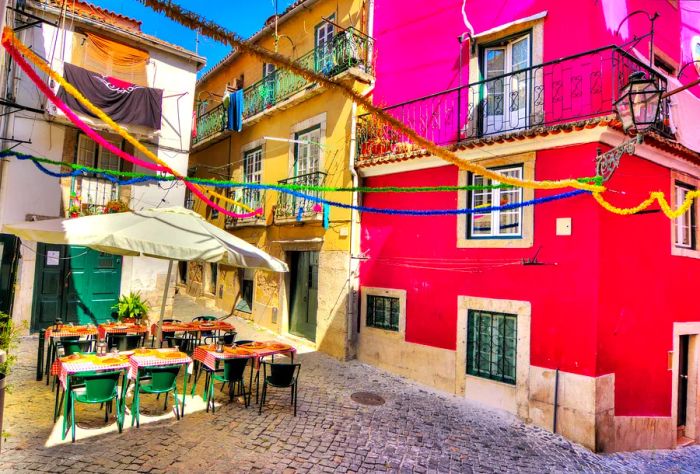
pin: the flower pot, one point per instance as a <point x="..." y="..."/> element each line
<point x="2" y="395"/>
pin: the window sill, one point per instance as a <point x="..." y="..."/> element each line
<point x="519" y="243"/>
<point x="684" y="252"/>
<point x="383" y="333"/>
<point x="476" y="378"/>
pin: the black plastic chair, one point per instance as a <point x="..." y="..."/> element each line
<point x="281" y="376"/>
<point x="231" y="374"/>
<point x="126" y="342"/>
<point x="164" y="334"/>
<point x="228" y="338"/>
<point x="185" y="343"/>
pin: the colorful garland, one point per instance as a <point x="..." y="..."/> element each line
<point x="16" y="49"/>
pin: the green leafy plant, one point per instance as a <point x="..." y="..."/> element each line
<point x="131" y="306"/>
<point x="74" y="210"/>
<point x="115" y="206"/>
<point x="9" y="339"/>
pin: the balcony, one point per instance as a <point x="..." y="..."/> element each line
<point x="89" y="195"/>
<point x="290" y="208"/>
<point x="347" y="51"/>
<point x="566" y="90"/>
<point x="253" y="198"/>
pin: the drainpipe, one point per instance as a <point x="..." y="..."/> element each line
<point x="353" y="267"/>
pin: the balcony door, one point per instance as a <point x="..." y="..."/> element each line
<point x="324" y="47"/>
<point x="506" y="91"/>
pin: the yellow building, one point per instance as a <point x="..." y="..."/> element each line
<point x="293" y="132"/>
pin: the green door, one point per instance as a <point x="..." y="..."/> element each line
<point x="304" y="300"/>
<point x="9" y="253"/>
<point x="75" y="284"/>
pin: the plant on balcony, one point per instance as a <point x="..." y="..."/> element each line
<point x="115" y="206"/>
<point x="132" y="308"/>
<point x="74" y="211"/>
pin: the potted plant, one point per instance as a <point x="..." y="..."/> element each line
<point x="115" y="206"/>
<point x="9" y="337"/>
<point x="131" y="308"/>
<point x="74" y="211"/>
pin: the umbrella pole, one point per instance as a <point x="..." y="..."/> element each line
<point x="162" y="305"/>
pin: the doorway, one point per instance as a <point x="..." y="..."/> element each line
<point x="303" y="304"/>
<point x="74" y="283"/>
<point x="9" y="254"/>
<point x="683" y="349"/>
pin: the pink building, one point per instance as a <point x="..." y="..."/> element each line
<point x="570" y="316"/>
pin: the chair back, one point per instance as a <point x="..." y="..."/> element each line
<point x="74" y="346"/>
<point x="185" y="343"/>
<point x="172" y="321"/>
<point x="281" y="375"/>
<point x="205" y="318"/>
<point x="243" y="341"/>
<point x="229" y="337"/>
<point x="234" y="368"/>
<point x="162" y="378"/>
<point x="100" y="386"/>
<point x="126" y="342"/>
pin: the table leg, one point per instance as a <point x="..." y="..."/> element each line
<point x="66" y="404"/>
<point x="197" y="370"/>
<point x="40" y="356"/>
<point x="184" y="394"/>
<point x="49" y="360"/>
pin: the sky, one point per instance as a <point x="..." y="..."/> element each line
<point x="244" y="17"/>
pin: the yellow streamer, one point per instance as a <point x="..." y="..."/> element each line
<point x="38" y="62"/>
<point x="656" y="196"/>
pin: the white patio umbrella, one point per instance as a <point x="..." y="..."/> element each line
<point x="173" y="233"/>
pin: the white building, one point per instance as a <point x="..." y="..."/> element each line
<point x="77" y="284"/>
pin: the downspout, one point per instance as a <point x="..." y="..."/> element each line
<point x="353" y="267"/>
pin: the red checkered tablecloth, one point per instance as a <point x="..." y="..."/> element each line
<point x="194" y="326"/>
<point x="137" y="362"/>
<point x="69" y="331"/>
<point x="208" y="356"/>
<point x="86" y="364"/>
<point x="125" y="328"/>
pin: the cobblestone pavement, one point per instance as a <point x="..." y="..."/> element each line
<point x="416" y="430"/>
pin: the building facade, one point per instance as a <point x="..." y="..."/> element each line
<point x="99" y="52"/>
<point x="574" y="318"/>
<point x="297" y="132"/>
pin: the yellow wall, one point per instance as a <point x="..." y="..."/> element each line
<point x="215" y="156"/>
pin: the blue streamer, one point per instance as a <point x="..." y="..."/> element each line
<point x="309" y="197"/>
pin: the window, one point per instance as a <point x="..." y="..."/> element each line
<point x="91" y="154"/>
<point x="252" y="173"/>
<point x="307" y="151"/>
<point x="685" y="224"/>
<point x="324" y="46"/>
<point x="506" y="92"/>
<point x="495" y="224"/>
<point x="491" y="345"/>
<point x="189" y="199"/>
<point x="383" y="312"/>
<point x="246" y="279"/>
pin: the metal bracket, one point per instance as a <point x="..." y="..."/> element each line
<point x="606" y="163"/>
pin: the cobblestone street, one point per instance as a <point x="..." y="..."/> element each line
<point x="416" y="430"/>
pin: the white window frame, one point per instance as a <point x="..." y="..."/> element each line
<point x="685" y="225"/>
<point x="496" y="194"/>
<point x="389" y="293"/>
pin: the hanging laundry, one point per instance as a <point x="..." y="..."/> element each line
<point x="233" y="103"/>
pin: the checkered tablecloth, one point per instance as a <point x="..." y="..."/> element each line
<point x="69" y="331"/>
<point x="208" y="356"/>
<point x="137" y="362"/>
<point x="125" y="328"/>
<point x="194" y="326"/>
<point x="87" y="364"/>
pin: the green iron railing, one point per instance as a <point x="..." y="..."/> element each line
<point x="253" y="198"/>
<point x="210" y="123"/>
<point x="289" y="205"/>
<point x="348" y="49"/>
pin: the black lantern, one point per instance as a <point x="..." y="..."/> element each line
<point x="638" y="105"/>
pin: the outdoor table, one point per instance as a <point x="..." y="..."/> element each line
<point x="196" y="327"/>
<point x="106" y="329"/>
<point x="207" y="355"/>
<point x="144" y="358"/>
<point x="52" y="333"/>
<point x="71" y="366"/>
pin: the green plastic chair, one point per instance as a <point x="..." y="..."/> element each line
<point x="97" y="388"/>
<point x="76" y="346"/>
<point x="162" y="380"/>
<point x="231" y="374"/>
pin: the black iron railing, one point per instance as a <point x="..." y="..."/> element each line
<point x="570" y="89"/>
<point x="254" y="199"/>
<point x="289" y="206"/>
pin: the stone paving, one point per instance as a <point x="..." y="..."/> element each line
<point x="416" y="430"/>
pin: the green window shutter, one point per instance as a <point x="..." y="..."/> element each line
<point x="383" y="312"/>
<point x="492" y="345"/>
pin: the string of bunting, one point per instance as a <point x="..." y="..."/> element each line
<point x="215" y="31"/>
<point x="112" y="174"/>
<point x="325" y="202"/>
<point x="17" y="49"/>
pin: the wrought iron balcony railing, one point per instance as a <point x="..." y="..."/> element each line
<point x="570" y="89"/>
<point x="91" y="194"/>
<point x="348" y="48"/>
<point x="290" y="206"/>
<point x="253" y="198"/>
<point x="210" y="123"/>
